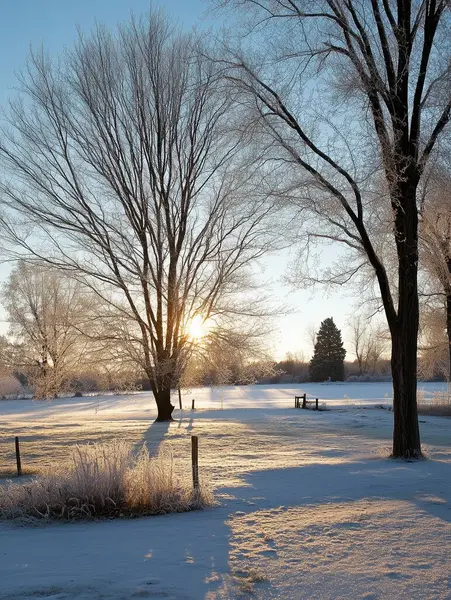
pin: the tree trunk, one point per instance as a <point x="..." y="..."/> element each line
<point x="164" y="406"/>
<point x="404" y="332"/>
<point x="406" y="433"/>
<point x="448" y="332"/>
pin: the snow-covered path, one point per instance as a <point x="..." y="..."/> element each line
<point x="309" y="509"/>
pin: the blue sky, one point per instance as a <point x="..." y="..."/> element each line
<point x="54" y="23"/>
<point x="25" y="23"/>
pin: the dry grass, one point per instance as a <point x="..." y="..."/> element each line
<point x="7" y="473"/>
<point x="103" y="481"/>
<point x="438" y="406"/>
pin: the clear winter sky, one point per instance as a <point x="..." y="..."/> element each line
<point x="30" y="23"/>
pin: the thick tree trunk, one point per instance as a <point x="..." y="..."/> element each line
<point x="406" y="433"/>
<point x="404" y="331"/>
<point x="164" y="406"/>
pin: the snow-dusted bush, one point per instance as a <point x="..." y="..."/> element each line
<point x="10" y="387"/>
<point x="104" y="480"/>
<point x="367" y="378"/>
<point x="439" y="405"/>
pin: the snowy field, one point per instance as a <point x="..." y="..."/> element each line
<point x="310" y="508"/>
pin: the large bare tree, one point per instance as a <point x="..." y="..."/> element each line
<point x="344" y="95"/>
<point x="122" y="168"/>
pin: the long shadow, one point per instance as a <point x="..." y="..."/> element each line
<point x="154" y="436"/>
<point x="425" y="484"/>
<point x="126" y="559"/>
<point x="156" y="433"/>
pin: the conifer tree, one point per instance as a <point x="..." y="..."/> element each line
<point x="328" y="358"/>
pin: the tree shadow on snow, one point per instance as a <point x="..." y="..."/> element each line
<point x="423" y="483"/>
<point x="154" y="436"/>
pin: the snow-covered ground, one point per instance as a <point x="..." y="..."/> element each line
<point x="310" y="508"/>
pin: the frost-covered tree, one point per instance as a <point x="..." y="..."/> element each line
<point x="435" y="245"/>
<point x="368" y="344"/>
<point x="329" y="355"/>
<point x="47" y="312"/>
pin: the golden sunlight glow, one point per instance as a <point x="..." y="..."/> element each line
<point x="197" y="328"/>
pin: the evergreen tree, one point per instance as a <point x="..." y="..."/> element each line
<point x="329" y="355"/>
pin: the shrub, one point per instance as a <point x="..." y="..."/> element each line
<point x="365" y="378"/>
<point x="103" y="480"/>
<point x="439" y="405"/>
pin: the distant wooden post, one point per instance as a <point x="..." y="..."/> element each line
<point x="304" y="401"/>
<point x="18" y="461"/>
<point x="192" y="405"/>
<point x="296" y="401"/>
<point x="195" y="460"/>
<point x="316" y="404"/>
<point x="180" y="398"/>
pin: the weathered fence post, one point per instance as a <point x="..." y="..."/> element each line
<point x="195" y="460"/>
<point x="316" y="404"/>
<point x="18" y="461"/>
<point x="304" y="401"/>
<point x="180" y="398"/>
<point x="192" y="405"/>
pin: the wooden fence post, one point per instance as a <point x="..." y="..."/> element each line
<point x="180" y="398"/>
<point x="192" y="405"/>
<point x="304" y="401"/>
<point x="195" y="460"/>
<point x="316" y="404"/>
<point x="18" y="461"/>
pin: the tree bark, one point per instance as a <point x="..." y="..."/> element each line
<point x="406" y="433"/>
<point x="404" y="331"/>
<point x="164" y="406"/>
<point x="448" y="331"/>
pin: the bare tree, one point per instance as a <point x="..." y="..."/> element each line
<point x="435" y="243"/>
<point x="311" y="332"/>
<point x="323" y="64"/>
<point x="434" y="348"/>
<point x="368" y="345"/>
<point x="125" y="172"/>
<point x="47" y="313"/>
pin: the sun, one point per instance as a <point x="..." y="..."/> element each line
<point x="197" y="328"/>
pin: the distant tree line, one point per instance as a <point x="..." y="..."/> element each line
<point x="64" y="339"/>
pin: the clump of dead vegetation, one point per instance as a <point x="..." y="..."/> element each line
<point x="104" y="481"/>
<point x="438" y="406"/>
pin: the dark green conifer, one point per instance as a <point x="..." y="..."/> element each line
<point x="328" y="359"/>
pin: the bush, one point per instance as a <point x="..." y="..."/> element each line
<point x="103" y="480"/>
<point x="366" y="378"/>
<point x="439" y="405"/>
<point x="10" y="388"/>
